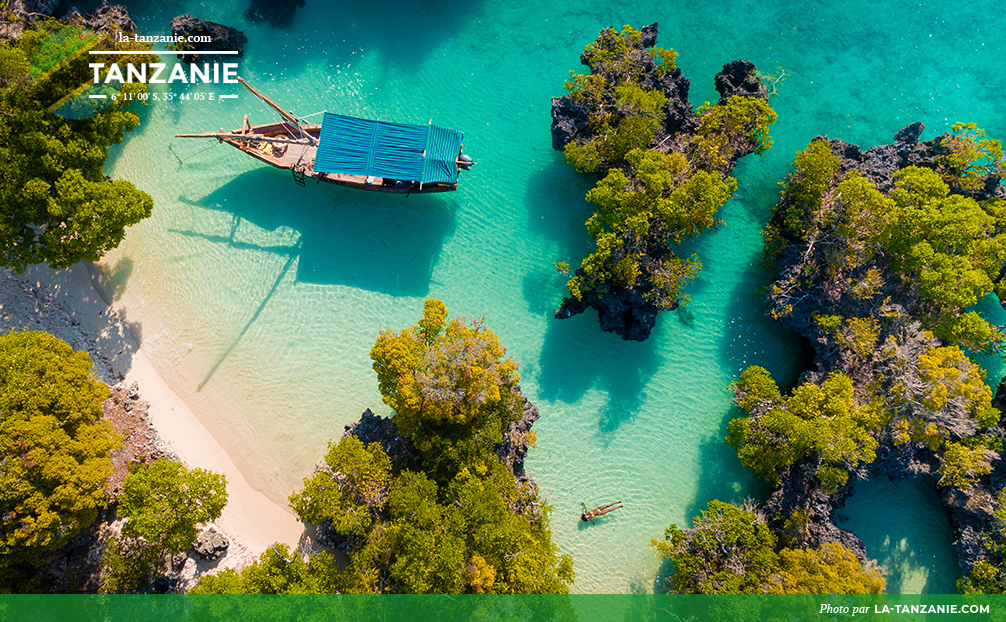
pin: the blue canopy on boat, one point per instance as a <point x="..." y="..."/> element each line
<point x="352" y="146"/>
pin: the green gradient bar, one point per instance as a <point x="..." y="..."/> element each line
<point x="580" y="608"/>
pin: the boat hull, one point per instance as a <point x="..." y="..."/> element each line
<point x="299" y="159"/>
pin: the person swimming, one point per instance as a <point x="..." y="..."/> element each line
<point x="600" y="510"/>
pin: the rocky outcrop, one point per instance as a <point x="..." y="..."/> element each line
<point x="109" y="18"/>
<point x="625" y="312"/>
<point x="31" y="9"/>
<point x="809" y="511"/>
<point x="371" y="428"/>
<point x="806" y="289"/>
<point x="631" y="311"/>
<point x="569" y="119"/>
<point x="211" y="544"/>
<point x="517" y="441"/>
<point x="279" y="13"/>
<point x="222" y="38"/>
<point x="128" y="414"/>
<point x="739" y="78"/>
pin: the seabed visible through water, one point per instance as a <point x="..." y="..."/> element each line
<point x="259" y="300"/>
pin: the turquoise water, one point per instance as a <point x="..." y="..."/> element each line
<point x="259" y="300"/>
<point x="904" y="528"/>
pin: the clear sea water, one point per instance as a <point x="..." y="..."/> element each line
<point x="259" y="300"/>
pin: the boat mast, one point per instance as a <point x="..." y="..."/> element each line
<point x="233" y="136"/>
<point x="286" y="115"/>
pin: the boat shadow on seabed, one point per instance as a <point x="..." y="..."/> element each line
<point x="373" y="242"/>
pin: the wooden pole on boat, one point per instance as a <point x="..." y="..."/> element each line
<point x="265" y="139"/>
<point x="286" y="115"/>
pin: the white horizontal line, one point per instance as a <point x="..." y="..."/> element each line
<point x="228" y="97"/>
<point x="97" y="96"/>
<point x="193" y="52"/>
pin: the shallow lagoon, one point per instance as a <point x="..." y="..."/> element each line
<point x="259" y="300"/>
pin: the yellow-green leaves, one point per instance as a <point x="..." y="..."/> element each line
<point x="822" y="420"/>
<point x="831" y="569"/>
<point x="165" y="502"/>
<point x="813" y="170"/>
<point x="441" y="372"/>
<point x="961" y="466"/>
<point x="349" y="491"/>
<point x="728" y="130"/>
<point x="54" y="446"/>
<point x="972" y="157"/>
<point x="730" y="550"/>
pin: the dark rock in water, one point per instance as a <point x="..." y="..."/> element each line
<point x="631" y="313"/>
<point x="279" y="13"/>
<point x="624" y="312"/>
<point x="110" y="18"/>
<point x="32" y="8"/>
<point x="222" y="38"/>
<point x="800" y="491"/>
<point x="371" y="428"/>
<point x="739" y="78"/>
<point x="569" y="119"/>
<point x="687" y="317"/>
<point x="649" y="38"/>
<point x="211" y="544"/>
<point x="516" y="441"/>
<point x="910" y="134"/>
<point x="970" y="510"/>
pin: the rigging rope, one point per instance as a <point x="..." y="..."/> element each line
<point x="181" y="160"/>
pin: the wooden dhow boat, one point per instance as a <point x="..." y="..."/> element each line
<point x="353" y="152"/>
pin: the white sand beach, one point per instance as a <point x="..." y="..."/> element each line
<point x="67" y="304"/>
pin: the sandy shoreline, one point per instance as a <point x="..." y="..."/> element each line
<point x="67" y="304"/>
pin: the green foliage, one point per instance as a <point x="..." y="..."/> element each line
<point x="629" y="122"/>
<point x="650" y="199"/>
<point x="961" y="466"/>
<point x="828" y="323"/>
<point x="730" y="550"/>
<point x="165" y="501"/>
<point x="727" y="131"/>
<point x="832" y="569"/>
<point x="58" y="207"/>
<point x="617" y="54"/>
<point x="54" y="446"/>
<point x="666" y="60"/>
<point x="971" y="159"/>
<point x="756" y="389"/>
<point x="984" y="578"/>
<point x="584" y="157"/>
<point x="860" y="335"/>
<point x="57" y="47"/>
<point x="277" y="571"/>
<point x="859" y="216"/>
<point x="946" y="245"/>
<point x="947" y="249"/>
<point x="459" y="522"/>
<point x="350" y="491"/>
<point x="441" y="372"/>
<point x="821" y="420"/>
<point x="943" y="396"/>
<point x="129" y="565"/>
<point x="987" y="576"/>
<point x="804" y="189"/>
<point x="662" y="196"/>
<point x="468" y="542"/>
